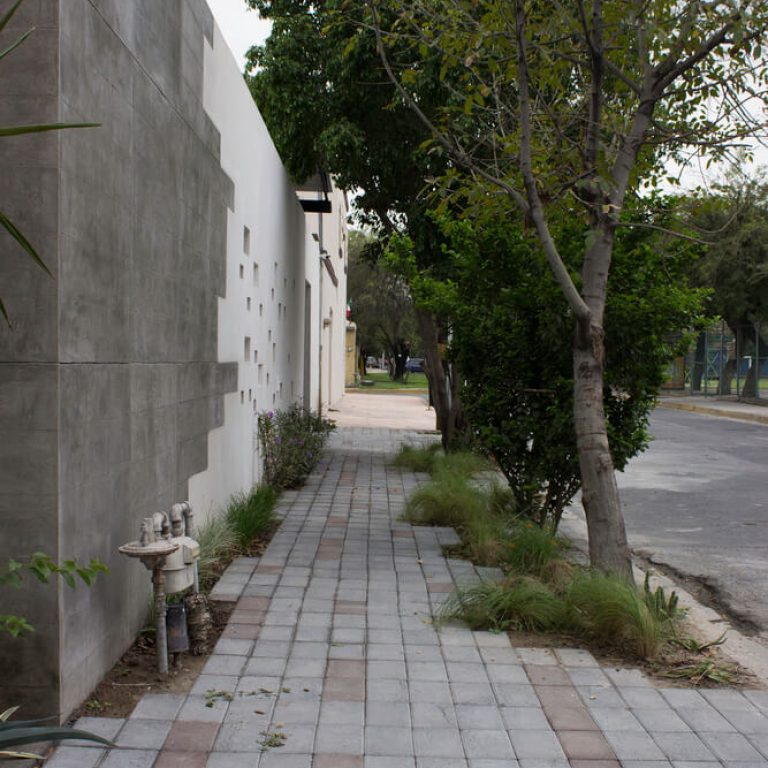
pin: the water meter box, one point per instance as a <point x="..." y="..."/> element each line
<point x="179" y="567"/>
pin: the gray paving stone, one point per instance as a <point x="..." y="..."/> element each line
<point x="425" y="714"/>
<point x="387" y="690"/>
<point x="472" y="693"/>
<point x="440" y="762"/>
<point x="224" y="664"/>
<point x="643" y="698"/>
<point x="158" y="706"/>
<point x="386" y="670"/>
<point x="146" y="734"/>
<point x="536" y="745"/>
<point x="380" y="761"/>
<point x="129" y="758"/>
<point x="683" y="746"/>
<point x="524" y="718"/>
<point x="575" y="657"/>
<point x="275" y="759"/>
<point x="514" y="695"/>
<point x="705" y="718"/>
<point x="428" y="670"/>
<point x="662" y="720"/>
<point x="436" y="693"/>
<point x="478" y="717"/>
<point x="631" y="745"/>
<point x="487" y="744"/>
<point x="730" y="747"/>
<point x="233" y="647"/>
<point x="75" y="757"/>
<point x="613" y="719"/>
<point x="388" y="740"/>
<point x="437" y="742"/>
<point x="106" y="727"/>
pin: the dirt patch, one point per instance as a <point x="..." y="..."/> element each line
<point x="674" y="667"/>
<point x="136" y="673"/>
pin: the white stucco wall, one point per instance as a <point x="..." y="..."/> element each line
<point x="261" y="322"/>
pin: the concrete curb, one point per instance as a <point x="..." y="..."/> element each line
<point x="727" y="413"/>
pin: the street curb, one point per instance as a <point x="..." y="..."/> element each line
<point x="726" y="414"/>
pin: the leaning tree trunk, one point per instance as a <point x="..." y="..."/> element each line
<point x="608" y="549"/>
<point x="438" y="382"/>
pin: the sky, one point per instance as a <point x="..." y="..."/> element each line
<point x="240" y="26"/>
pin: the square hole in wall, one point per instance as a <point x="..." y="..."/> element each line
<point x="242" y="396"/>
<point x="275" y="266"/>
<point x="274" y="351"/>
<point x="260" y="374"/>
<point x="255" y="274"/>
<point x="242" y="271"/>
<point x="246" y="240"/>
<point x="281" y="389"/>
<point x="267" y="378"/>
<point x="248" y="303"/>
<point x="255" y="355"/>
<point x="255" y="407"/>
<point x="247" y="349"/>
<point x="292" y="393"/>
<point x="269" y="335"/>
<point x="273" y="294"/>
<point x="250" y="395"/>
<point x="261" y="310"/>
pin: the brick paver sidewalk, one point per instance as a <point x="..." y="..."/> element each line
<point x="331" y="660"/>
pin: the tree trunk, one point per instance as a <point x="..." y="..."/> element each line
<point x="699" y="362"/>
<point x="759" y="354"/>
<point x="608" y="549"/>
<point x="438" y="382"/>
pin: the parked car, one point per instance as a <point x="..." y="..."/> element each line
<point x="415" y="365"/>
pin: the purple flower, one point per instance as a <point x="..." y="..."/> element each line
<point x="270" y="414"/>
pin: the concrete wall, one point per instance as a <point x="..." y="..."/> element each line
<point x="124" y="384"/>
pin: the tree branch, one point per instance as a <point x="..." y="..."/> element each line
<point x="563" y="277"/>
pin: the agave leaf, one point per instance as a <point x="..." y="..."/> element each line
<point x="6" y="725"/>
<point x="9" y="15"/>
<point x="4" y="313"/>
<point x="18" y="236"/>
<point x="8" y="712"/>
<point x="15" y="44"/>
<point x="31" y="735"/>
<point x="18" y="130"/>
<point x="21" y="756"/>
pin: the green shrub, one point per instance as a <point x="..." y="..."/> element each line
<point x="612" y="610"/>
<point x="449" y="501"/>
<point x="251" y="514"/>
<point x="417" y="459"/>
<point x="531" y="548"/>
<point x="664" y="608"/>
<point x="291" y="441"/>
<point x="519" y="603"/>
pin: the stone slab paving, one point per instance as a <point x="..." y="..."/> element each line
<point x="331" y="660"/>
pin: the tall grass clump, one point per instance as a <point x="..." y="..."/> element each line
<point x="448" y="501"/>
<point x="460" y="464"/>
<point x="218" y="541"/>
<point x="520" y="603"/>
<point x="611" y="610"/>
<point x="531" y="548"/>
<point x="251" y="514"/>
<point x="417" y="459"/>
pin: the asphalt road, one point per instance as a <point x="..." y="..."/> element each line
<point x="697" y="501"/>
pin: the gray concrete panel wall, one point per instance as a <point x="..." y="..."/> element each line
<point x="29" y="352"/>
<point x="109" y="382"/>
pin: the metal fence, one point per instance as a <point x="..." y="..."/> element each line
<point x="725" y="362"/>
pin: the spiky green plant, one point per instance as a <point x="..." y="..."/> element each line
<point x="664" y="607"/>
<point x="519" y="603"/>
<point x="417" y="459"/>
<point x="250" y="514"/>
<point x="530" y="548"/>
<point x="447" y="500"/>
<point x="612" y="610"/>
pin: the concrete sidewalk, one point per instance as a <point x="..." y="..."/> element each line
<point x="711" y="406"/>
<point x="331" y="660"/>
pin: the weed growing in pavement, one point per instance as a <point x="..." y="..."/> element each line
<point x="271" y="740"/>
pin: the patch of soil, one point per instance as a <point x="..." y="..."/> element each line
<point x="136" y="673"/>
<point x="674" y="667"/>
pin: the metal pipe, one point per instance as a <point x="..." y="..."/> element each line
<point x="161" y="634"/>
